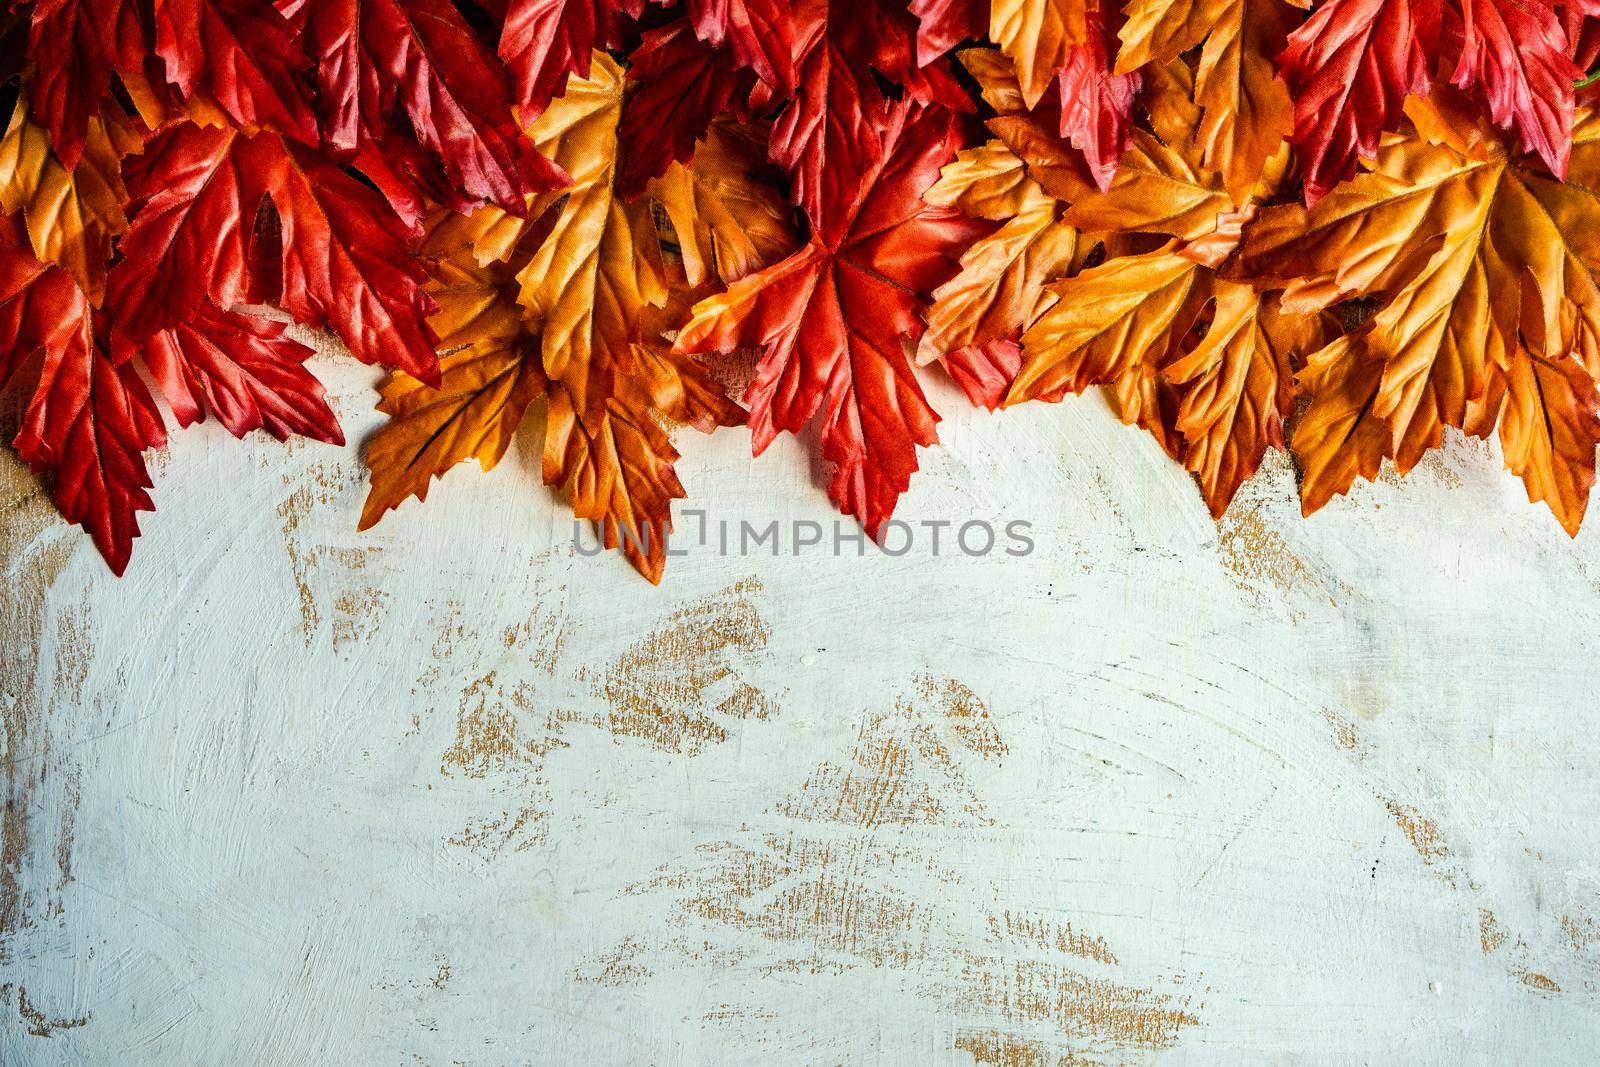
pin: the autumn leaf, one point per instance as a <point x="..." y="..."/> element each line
<point x="1247" y="107"/>
<point x="73" y="216"/>
<point x="1000" y="287"/>
<point x="1039" y="36"/>
<point x="241" y="54"/>
<point x="1096" y="101"/>
<point x="344" y="263"/>
<point x="1485" y="275"/>
<point x="681" y="83"/>
<point x="75" y="46"/>
<point x="545" y="41"/>
<point x="830" y="320"/>
<point x="1349" y="68"/>
<point x="615" y="464"/>
<point x="591" y="279"/>
<point x="943" y="24"/>
<point x="88" y="421"/>
<point x="1201" y="362"/>
<point x="567" y="305"/>
<point x="726" y="224"/>
<point x="829" y="137"/>
<point x="490" y="374"/>
<point x="1515" y="53"/>
<point x="378" y="58"/>
<point x="759" y="34"/>
<point x="242" y="369"/>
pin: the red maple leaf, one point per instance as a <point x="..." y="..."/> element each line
<point x="682" y="83"/>
<point x="344" y="262"/>
<point x="88" y="421"/>
<point x="543" y="41"/>
<point x="829" y="137"/>
<point x="75" y="45"/>
<point x="758" y="33"/>
<point x="244" y="370"/>
<point x="1096" y="104"/>
<point x="377" y="58"/>
<point x="943" y="24"/>
<point x="243" y="54"/>
<point x="831" y="319"/>
<point x="1349" y="68"/>
<point x="1515" y="53"/>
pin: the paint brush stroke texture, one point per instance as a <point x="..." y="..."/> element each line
<point x="1155" y="793"/>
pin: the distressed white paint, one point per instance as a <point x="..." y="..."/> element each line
<point x="1214" y="743"/>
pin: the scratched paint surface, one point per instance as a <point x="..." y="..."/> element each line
<point x="447" y="792"/>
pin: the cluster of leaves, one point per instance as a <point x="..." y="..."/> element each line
<point x="1369" y="220"/>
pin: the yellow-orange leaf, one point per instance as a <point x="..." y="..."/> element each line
<point x="1160" y="30"/>
<point x="1036" y="35"/>
<point x="1001" y="284"/>
<point x="1108" y="321"/>
<point x="728" y="225"/>
<point x="491" y="373"/>
<point x="1247" y="108"/>
<point x="1239" y="389"/>
<point x="1483" y="264"/>
<point x="600" y="267"/>
<point x="1549" y="428"/>
<point x="72" y="216"/>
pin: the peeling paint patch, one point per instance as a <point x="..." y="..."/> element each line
<point x="31" y="560"/>
<point x="1421" y="831"/>
<point x="34" y="1020"/>
<point x="850" y="879"/>
<point x="618" y="967"/>
<point x="677" y="687"/>
<point x="1256" y="555"/>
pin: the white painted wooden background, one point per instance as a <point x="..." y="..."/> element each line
<point x="1271" y="790"/>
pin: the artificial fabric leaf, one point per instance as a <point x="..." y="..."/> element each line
<point x="1000" y="288"/>
<point x="375" y="58"/>
<point x="491" y="373"/>
<point x="1549" y="428"/>
<point x="73" y="216"/>
<point x="1203" y="363"/>
<point x="1108" y="320"/>
<point x="40" y="307"/>
<point x="243" y="369"/>
<point x="612" y="458"/>
<point x="88" y="421"/>
<point x="1349" y="68"/>
<point x="344" y="263"/>
<point x="1096" y="102"/>
<point x="830" y="321"/>
<point x="1247" y="107"/>
<point x="1095" y="121"/>
<point x="1039" y="36"/>
<point x="75" y="45"/>
<point x="681" y="84"/>
<point x="1159" y="31"/>
<point x="726" y="225"/>
<point x="1483" y="266"/>
<point x="544" y="41"/>
<point x="829" y="137"/>
<point x="1237" y="389"/>
<point x="1515" y="53"/>
<point x="242" y="54"/>
<point x="587" y="286"/>
<point x="758" y="33"/>
<point x="943" y="24"/>
<point x="617" y="468"/>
